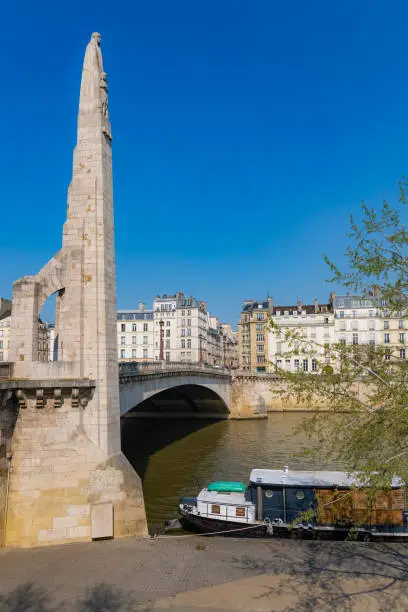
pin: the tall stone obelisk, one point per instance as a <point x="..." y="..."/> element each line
<point x="66" y="456"/>
<point x="89" y="229"/>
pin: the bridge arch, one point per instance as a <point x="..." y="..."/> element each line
<point x="176" y="396"/>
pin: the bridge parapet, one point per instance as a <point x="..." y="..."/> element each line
<point x="254" y="375"/>
<point x="162" y="369"/>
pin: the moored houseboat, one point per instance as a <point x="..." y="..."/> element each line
<point x="311" y="503"/>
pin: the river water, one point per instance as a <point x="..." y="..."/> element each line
<point x="176" y="457"/>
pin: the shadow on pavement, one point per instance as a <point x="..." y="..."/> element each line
<point x="289" y="576"/>
<point x="100" y="598"/>
<point x="340" y="580"/>
<point x="27" y="597"/>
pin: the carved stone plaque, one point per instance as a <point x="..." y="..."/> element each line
<point x="102" y="520"/>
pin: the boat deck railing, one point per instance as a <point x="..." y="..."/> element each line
<point x="208" y="514"/>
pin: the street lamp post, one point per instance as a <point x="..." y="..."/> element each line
<point x="200" y="338"/>
<point x="161" y="355"/>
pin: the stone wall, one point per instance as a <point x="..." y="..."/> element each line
<point x="58" y="473"/>
<point x="251" y="393"/>
<point x="8" y="416"/>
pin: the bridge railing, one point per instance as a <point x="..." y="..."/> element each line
<point x="140" y="367"/>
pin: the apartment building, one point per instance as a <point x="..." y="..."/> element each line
<point x="314" y="328"/>
<point x="346" y="319"/>
<point x="43" y="341"/>
<point x="5" y="323"/>
<point x="214" y="342"/>
<point x="5" y="318"/>
<point x="178" y="328"/>
<point x="229" y="346"/>
<point x="357" y="319"/>
<point x="184" y="323"/>
<point x="253" y="335"/>
<point x="366" y="320"/>
<point x="135" y="331"/>
<point x="394" y="336"/>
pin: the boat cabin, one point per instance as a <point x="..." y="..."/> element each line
<point x="224" y="500"/>
<point x="282" y="496"/>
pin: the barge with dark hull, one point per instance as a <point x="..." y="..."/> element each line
<point x="297" y="503"/>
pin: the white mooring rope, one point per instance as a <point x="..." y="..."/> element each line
<point x="269" y="529"/>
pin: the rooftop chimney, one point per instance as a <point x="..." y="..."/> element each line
<point x="316" y="305"/>
<point x="299" y="305"/>
<point x="142" y="306"/>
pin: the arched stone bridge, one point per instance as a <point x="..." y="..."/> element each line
<point x="193" y="390"/>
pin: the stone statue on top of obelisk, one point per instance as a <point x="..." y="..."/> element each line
<point x="94" y="86"/>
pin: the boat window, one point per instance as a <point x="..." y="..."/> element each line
<point x="268" y="493"/>
<point x="300" y="495"/>
<point x="215" y="509"/>
<point x="239" y="511"/>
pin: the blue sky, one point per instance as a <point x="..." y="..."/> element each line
<point x="244" y="135"/>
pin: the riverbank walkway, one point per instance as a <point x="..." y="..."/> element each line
<point x="206" y="574"/>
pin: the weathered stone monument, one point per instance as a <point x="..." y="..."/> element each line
<point x="64" y="450"/>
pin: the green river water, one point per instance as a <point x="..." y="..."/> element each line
<point x="175" y="457"/>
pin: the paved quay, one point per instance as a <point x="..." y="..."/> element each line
<point x="207" y="574"/>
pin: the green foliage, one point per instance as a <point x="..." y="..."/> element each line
<point x="378" y="253"/>
<point x="366" y="390"/>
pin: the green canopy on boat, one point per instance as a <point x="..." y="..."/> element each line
<point x="227" y="486"/>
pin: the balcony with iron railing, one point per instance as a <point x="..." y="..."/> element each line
<point x="308" y="323"/>
<point x="357" y="315"/>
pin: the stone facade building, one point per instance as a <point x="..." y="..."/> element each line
<point x="43" y="334"/>
<point x="229" y="346"/>
<point x="5" y="318"/>
<point x="394" y="336"/>
<point x="253" y="335"/>
<point x="182" y="321"/>
<point x="176" y="329"/>
<point x="364" y="320"/>
<point x="214" y="342"/>
<point x="314" y="322"/>
<point x="43" y="341"/>
<point x="135" y="331"/>
<point x="345" y="319"/>
<point x="52" y="342"/>
<point x="357" y="320"/>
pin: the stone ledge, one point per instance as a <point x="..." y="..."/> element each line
<point x="54" y="383"/>
<point x="42" y="393"/>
